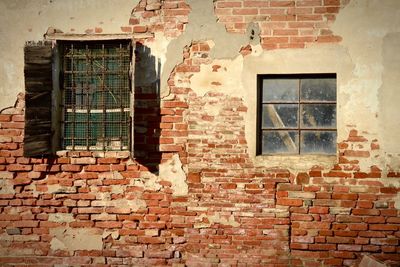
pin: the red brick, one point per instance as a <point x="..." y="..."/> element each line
<point x="289" y="202"/>
<point x="29" y="224"/>
<point x="71" y="168"/>
<point x="229" y="4"/>
<point x="358" y="226"/>
<point x="97" y="168"/>
<point x="154" y="196"/>
<point x="331" y="2"/>
<point x="139" y="28"/>
<point x="151" y="240"/>
<point x="344" y="196"/>
<point x="383" y="227"/>
<point x="81" y="224"/>
<point x="282" y="3"/>
<point x="108" y="224"/>
<point x="346" y="233"/>
<point x="373" y="212"/>
<point x="349" y="247"/>
<point x="10" y="217"/>
<point x="355" y="153"/>
<point x="309" y="2"/>
<point x="322" y="247"/>
<point x="19" y="167"/>
<point x="5" y="117"/>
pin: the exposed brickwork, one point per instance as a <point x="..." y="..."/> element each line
<point x="168" y="17"/>
<point x="106" y="192"/>
<point x="340" y="213"/>
<point x="234" y="213"/>
<point x="283" y="24"/>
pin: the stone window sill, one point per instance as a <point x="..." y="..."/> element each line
<point x="296" y="163"/>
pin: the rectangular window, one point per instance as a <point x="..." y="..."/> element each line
<point x="96" y="94"/>
<point x="296" y="114"/>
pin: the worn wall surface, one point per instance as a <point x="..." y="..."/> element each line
<point x="194" y="191"/>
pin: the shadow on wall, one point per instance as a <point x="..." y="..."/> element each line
<point x="147" y="117"/>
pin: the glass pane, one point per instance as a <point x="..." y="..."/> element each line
<point x="280" y="90"/>
<point x="280" y="116"/>
<point x="322" y="89"/>
<point x="318" y="142"/>
<point x="280" y="142"/>
<point x="318" y="115"/>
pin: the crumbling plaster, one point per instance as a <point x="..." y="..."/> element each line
<point x="72" y="239"/>
<point x="369" y="32"/>
<point x="203" y="26"/>
<point x="362" y="103"/>
<point x="364" y="61"/>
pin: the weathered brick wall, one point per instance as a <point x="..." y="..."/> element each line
<point x="107" y="208"/>
<point x="283" y="24"/>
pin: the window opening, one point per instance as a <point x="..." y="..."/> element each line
<point x="96" y="95"/>
<point x="297" y="114"/>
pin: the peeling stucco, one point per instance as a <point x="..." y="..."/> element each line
<point x="205" y="221"/>
<point x="203" y="26"/>
<point x="370" y="34"/>
<point x="172" y="171"/>
<point x="389" y="99"/>
<point x="61" y="217"/>
<point x="133" y="204"/>
<point x="71" y="239"/>
<point x="6" y="186"/>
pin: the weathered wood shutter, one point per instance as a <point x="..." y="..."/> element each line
<point x="38" y="95"/>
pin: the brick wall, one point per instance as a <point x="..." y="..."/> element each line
<point x="94" y="208"/>
<point x="283" y="24"/>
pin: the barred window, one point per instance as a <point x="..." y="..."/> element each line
<point x="297" y="114"/>
<point x="96" y="95"/>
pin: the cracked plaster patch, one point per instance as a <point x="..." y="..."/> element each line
<point x="172" y="171"/>
<point x="205" y="221"/>
<point x="71" y="239"/>
<point x="61" y="217"/>
<point x="203" y="25"/>
<point x="6" y="186"/>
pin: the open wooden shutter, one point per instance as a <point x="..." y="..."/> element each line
<point x="38" y="95"/>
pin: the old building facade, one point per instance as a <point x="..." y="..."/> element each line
<point x="256" y="132"/>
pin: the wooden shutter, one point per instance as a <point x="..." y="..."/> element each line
<point x="38" y="95"/>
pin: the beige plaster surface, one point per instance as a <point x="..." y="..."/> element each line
<point x="172" y="171"/>
<point x="202" y="26"/>
<point x="71" y="239"/>
<point x="389" y="99"/>
<point x="28" y="20"/>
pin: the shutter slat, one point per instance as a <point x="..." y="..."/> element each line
<point x="38" y="88"/>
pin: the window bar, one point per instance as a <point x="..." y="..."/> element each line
<point x="299" y="116"/>
<point x="87" y="78"/>
<point x="73" y="99"/>
<point x="103" y="94"/>
<point x="121" y="78"/>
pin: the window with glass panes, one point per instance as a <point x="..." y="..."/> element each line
<point x="96" y="95"/>
<point x="297" y="114"/>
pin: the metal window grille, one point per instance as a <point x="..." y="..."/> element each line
<point x="96" y="95"/>
<point x="297" y="114"/>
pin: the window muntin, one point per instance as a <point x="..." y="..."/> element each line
<point x="297" y="114"/>
<point x="96" y="95"/>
